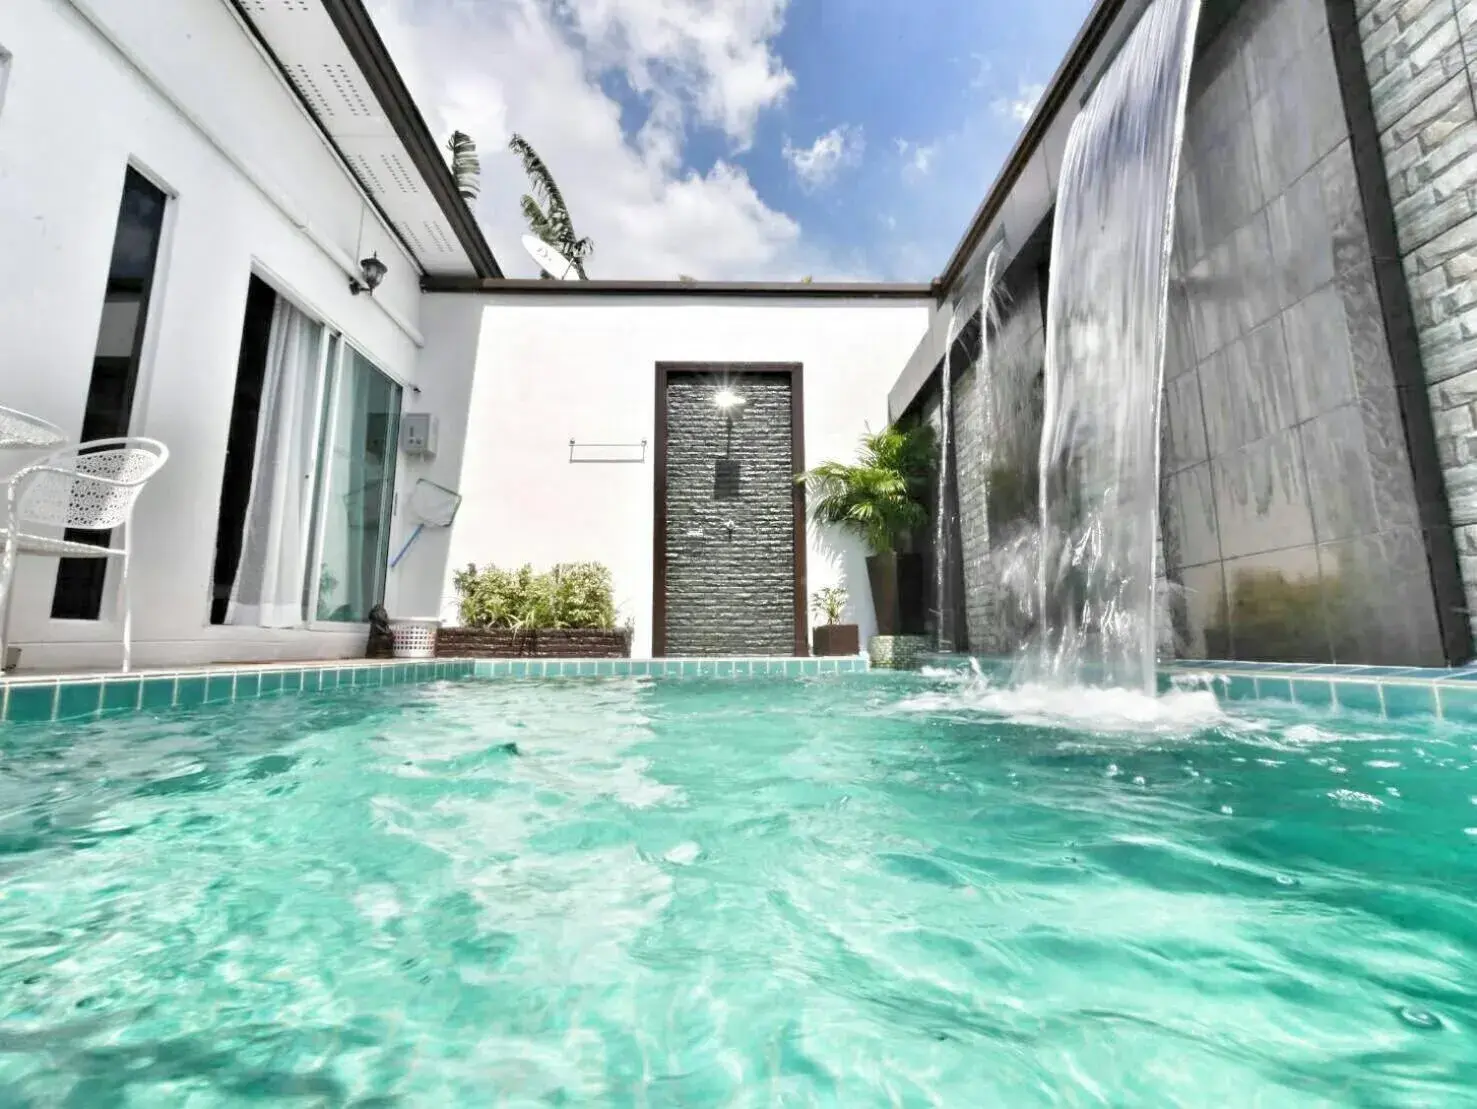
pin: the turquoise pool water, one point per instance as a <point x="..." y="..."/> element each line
<point x="850" y="892"/>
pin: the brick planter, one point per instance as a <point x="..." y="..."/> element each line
<point x="544" y="643"/>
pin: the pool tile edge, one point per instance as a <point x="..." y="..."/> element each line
<point x="44" y="698"/>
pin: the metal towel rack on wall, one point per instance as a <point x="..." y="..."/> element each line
<point x="607" y="452"/>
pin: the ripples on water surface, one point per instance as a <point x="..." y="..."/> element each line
<point x="854" y="892"/>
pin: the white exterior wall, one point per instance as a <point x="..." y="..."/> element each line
<point x="551" y="369"/>
<point x="75" y="114"/>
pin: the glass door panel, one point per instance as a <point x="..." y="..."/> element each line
<point x="357" y="490"/>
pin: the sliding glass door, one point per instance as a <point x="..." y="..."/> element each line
<point x="355" y="500"/>
<point x="309" y="487"/>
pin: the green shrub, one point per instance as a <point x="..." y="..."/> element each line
<point x="829" y="603"/>
<point x="571" y="595"/>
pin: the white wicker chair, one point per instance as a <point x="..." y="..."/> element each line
<point x="21" y="431"/>
<point x="91" y="486"/>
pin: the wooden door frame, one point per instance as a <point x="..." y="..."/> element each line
<point x="795" y="371"/>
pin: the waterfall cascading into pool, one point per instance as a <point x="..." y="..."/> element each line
<point x="943" y="623"/>
<point x="1105" y="329"/>
<point x="945" y="636"/>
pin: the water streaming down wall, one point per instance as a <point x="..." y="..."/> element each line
<point x="945" y="521"/>
<point x="1100" y="445"/>
<point x="975" y="375"/>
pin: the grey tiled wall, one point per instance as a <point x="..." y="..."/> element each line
<point x="730" y="562"/>
<point x="1421" y="57"/>
<point x="1290" y="511"/>
<point x="997" y="419"/>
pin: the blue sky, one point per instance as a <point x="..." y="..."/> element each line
<point x="739" y="138"/>
<point x="953" y="86"/>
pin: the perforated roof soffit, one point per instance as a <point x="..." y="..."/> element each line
<point x="361" y="104"/>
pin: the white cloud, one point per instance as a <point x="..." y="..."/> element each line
<point x="818" y="164"/>
<point x="1020" y="106"/>
<point x="917" y="156"/>
<point x="500" y="66"/>
<point x="718" y="54"/>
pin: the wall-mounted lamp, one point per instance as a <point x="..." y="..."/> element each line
<point x="374" y="272"/>
<point x="728" y="402"/>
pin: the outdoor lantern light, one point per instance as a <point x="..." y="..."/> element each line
<point x="374" y="272"/>
<point x="728" y="402"/>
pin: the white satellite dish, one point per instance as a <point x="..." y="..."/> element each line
<point x="550" y="260"/>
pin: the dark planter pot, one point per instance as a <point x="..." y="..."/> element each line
<point x="539" y="643"/>
<point x="833" y="640"/>
<point x="899" y="592"/>
<point x="882" y="575"/>
<point x="913" y="588"/>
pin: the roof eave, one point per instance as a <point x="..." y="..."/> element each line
<point x="815" y="290"/>
<point x="357" y="30"/>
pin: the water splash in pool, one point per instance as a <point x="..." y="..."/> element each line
<point x="1110" y="262"/>
<point x="1096" y="710"/>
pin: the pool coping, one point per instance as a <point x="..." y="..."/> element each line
<point x="41" y="698"/>
<point x="1390" y="692"/>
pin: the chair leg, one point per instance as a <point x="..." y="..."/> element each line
<point x="7" y="579"/>
<point x="127" y="613"/>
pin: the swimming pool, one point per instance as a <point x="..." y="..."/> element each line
<point x="853" y="890"/>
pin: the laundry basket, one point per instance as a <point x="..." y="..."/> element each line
<point x="415" y="638"/>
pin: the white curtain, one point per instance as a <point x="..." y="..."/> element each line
<point x="268" y="590"/>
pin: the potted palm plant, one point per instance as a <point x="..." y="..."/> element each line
<point x="882" y="498"/>
<point x="833" y="638"/>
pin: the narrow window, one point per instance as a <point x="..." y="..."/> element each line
<point x="4" y="74"/>
<point x="115" y="363"/>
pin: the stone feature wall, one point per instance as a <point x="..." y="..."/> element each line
<point x="1421" y="58"/>
<point x="730" y="561"/>
<point x="1291" y="519"/>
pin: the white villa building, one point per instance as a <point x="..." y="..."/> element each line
<point x="194" y="195"/>
<point x="188" y="190"/>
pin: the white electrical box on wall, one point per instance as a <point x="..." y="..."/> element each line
<point x="418" y="433"/>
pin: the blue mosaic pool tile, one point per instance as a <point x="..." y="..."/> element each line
<point x="78" y="699"/>
<point x="1312" y="692"/>
<point x="121" y="695"/>
<point x="1458" y="702"/>
<point x="293" y="681"/>
<point x="1359" y="697"/>
<point x="28" y="704"/>
<point x="218" y="687"/>
<point x="189" y="691"/>
<point x="248" y="685"/>
<point x="1274" y="689"/>
<point x="1409" y="699"/>
<point x="1240" y="688"/>
<point x="157" y="693"/>
<point x="271" y="682"/>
